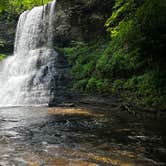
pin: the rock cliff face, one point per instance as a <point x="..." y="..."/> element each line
<point x="7" y="33"/>
<point x="75" y="20"/>
<point x="80" y="20"/>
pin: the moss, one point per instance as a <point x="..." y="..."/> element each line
<point x="2" y="56"/>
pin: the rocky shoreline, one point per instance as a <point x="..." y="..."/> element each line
<point x="111" y="103"/>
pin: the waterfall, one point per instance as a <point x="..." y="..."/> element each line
<point x="51" y="25"/>
<point x="27" y="77"/>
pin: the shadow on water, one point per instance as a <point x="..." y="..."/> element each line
<point x="79" y="136"/>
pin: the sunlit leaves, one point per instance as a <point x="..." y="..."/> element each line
<point x="17" y="6"/>
<point x="2" y="56"/>
<point x="121" y="7"/>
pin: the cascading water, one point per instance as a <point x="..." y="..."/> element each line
<point x="27" y="77"/>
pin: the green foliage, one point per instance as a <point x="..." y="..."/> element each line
<point x="83" y="57"/>
<point x="17" y="6"/>
<point x="151" y="17"/>
<point x="120" y="7"/>
<point x="98" y="85"/>
<point x="138" y="40"/>
<point x="2" y="56"/>
<point x="117" y="85"/>
<point x="2" y="42"/>
<point x="133" y="61"/>
<point x="148" y="88"/>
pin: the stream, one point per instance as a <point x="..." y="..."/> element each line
<point x="39" y="136"/>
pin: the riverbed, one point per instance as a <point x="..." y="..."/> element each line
<point x="79" y="136"/>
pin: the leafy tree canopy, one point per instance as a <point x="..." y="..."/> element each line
<point x="17" y="6"/>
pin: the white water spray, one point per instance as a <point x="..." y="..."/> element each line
<point x="27" y="77"/>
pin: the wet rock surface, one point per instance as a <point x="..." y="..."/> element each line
<point x="79" y="136"/>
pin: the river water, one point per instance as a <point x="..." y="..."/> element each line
<point x="38" y="136"/>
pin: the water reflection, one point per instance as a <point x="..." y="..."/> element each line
<point x="78" y="137"/>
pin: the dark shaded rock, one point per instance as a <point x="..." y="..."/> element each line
<point x="7" y="34"/>
<point x="67" y="105"/>
<point x="80" y="20"/>
<point x="61" y="81"/>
